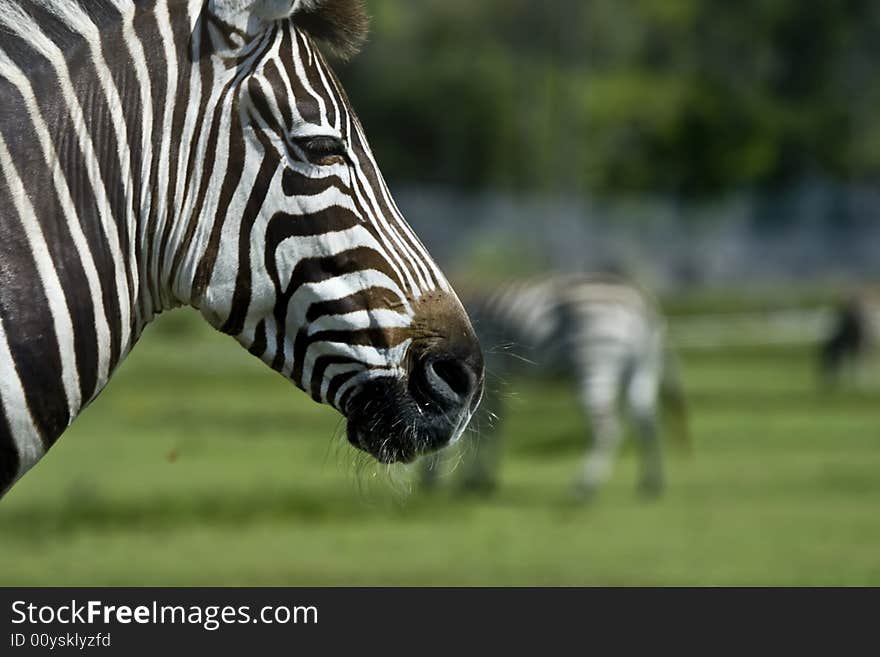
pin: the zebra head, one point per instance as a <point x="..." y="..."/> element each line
<point x="312" y="266"/>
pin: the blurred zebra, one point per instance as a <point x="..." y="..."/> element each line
<point x="160" y="153"/>
<point x="848" y="341"/>
<point x="603" y="335"/>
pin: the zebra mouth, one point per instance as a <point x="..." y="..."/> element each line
<point x="385" y="421"/>
<point x="386" y="452"/>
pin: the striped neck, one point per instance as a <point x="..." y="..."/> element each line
<point x="116" y="145"/>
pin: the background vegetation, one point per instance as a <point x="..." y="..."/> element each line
<point x="690" y="98"/>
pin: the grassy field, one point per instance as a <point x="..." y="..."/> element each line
<point x="198" y="466"/>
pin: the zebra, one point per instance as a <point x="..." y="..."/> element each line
<point x="165" y="153"/>
<point x="846" y="344"/>
<point x="601" y="333"/>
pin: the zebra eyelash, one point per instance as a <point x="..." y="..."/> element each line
<point x="323" y="150"/>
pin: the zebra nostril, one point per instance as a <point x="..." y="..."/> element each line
<point x="454" y="375"/>
<point x="442" y="381"/>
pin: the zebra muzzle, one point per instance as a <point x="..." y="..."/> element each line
<point x="397" y="419"/>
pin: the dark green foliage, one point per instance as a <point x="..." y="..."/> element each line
<point x="684" y="97"/>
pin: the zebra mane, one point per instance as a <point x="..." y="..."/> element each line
<point x="342" y="25"/>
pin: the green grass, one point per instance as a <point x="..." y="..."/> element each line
<point x="198" y="466"/>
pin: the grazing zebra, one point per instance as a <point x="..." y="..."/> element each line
<point x="156" y="153"/>
<point x="599" y="332"/>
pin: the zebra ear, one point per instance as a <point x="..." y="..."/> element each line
<point x="342" y="25"/>
<point x="251" y="16"/>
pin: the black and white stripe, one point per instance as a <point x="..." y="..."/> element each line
<point x="157" y="153"/>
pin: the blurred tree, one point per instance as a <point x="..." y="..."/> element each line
<point x="682" y="97"/>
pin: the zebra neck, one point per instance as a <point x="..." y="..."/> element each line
<point x="100" y="184"/>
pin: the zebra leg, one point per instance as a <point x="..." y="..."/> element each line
<point x="477" y="457"/>
<point x="429" y="471"/>
<point x="480" y="462"/>
<point x="600" y="404"/>
<point x="642" y="393"/>
<point x="480" y="451"/>
<point x="651" y="482"/>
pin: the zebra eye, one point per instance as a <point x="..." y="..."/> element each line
<point x="323" y="151"/>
